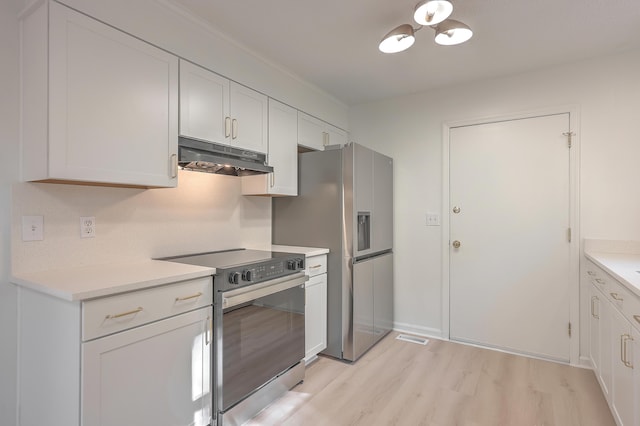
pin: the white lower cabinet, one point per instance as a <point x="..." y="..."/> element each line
<point x="157" y="374"/>
<point x="315" y="327"/>
<point x="614" y="345"/>
<point x="147" y="371"/>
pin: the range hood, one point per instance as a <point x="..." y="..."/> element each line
<point x="203" y="156"/>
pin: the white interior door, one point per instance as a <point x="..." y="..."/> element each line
<point x="510" y="276"/>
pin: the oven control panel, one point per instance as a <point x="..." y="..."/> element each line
<point x="258" y="272"/>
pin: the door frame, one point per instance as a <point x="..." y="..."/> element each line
<point x="574" y="214"/>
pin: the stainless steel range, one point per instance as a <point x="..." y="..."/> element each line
<point x="259" y="300"/>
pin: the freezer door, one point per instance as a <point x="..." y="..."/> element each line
<point x="382" y="216"/>
<point x="382" y="295"/>
<point x="361" y="329"/>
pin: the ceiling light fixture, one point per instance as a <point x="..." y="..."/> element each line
<point x="428" y="13"/>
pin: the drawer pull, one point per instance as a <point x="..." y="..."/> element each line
<point x="593" y="311"/>
<point x="124" y="314"/>
<point x="616" y="297"/>
<point x="315" y="266"/>
<point x="193" y="296"/>
<point x="623" y="350"/>
<point x="637" y="318"/>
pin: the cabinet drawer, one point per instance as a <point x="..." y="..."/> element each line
<point x="120" y="312"/>
<point x="316" y="265"/>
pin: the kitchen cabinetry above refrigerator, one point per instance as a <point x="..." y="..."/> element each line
<point x="316" y="134"/>
<point x="98" y="106"/>
<point x="215" y="109"/>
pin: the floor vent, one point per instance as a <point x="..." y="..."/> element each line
<point x="413" y="339"/>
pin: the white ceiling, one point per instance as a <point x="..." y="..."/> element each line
<point x="334" y="43"/>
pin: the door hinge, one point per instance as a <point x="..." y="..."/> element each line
<point x="569" y="234"/>
<point x="569" y="329"/>
<point x="569" y="135"/>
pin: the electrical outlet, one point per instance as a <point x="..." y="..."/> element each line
<point x="32" y="228"/>
<point x="87" y="227"/>
<point x="433" y="219"/>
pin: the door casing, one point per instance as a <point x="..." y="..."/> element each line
<point x="574" y="203"/>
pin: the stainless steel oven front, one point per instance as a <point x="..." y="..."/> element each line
<point x="259" y="345"/>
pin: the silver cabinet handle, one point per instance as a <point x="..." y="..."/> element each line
<point x="234" y="129"/>
<point x="616" y="297"/>
<point x="207" y="334"/>
<point x="623" y="350"/>
<point x="315" y="266"/>
<point x="637" y="318"/>
<point x="600" y="281"/>
<point x="173" y="165"/>
<point x="593" y="311"/>
<point x="193" y="296"/>
<point x="591" y="273"/>
<point x="124" y="314"/>
<point x="227" y="127"/>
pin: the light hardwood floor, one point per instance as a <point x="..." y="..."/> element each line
<point x="442" y="383"/>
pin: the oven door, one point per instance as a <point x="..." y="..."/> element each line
<point x="262" y="336"/>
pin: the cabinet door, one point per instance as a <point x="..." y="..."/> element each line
<point x="113" y="105"/>
<point x="607" y="351"/>
<point x="204" y="104"/>
<point x="311" y="132"/>
<point x="622" y="368"/>
<point x="315" y="316"/>
<point x="383" y="295"/>
<point x="157" y="374"/>
<point x="283" y="155"/>
<point x="249" y="114"/>
<point x="336" y="136"/>
<point x="594" y="328"/>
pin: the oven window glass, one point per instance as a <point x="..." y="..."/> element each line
<point x="261" y="339"/>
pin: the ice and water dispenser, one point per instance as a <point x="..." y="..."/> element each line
<point x="364" y="231"/>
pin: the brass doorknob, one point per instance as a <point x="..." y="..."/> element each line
<point x="456" y="244"/>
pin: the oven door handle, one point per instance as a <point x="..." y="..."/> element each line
<point x="247" y="294"/>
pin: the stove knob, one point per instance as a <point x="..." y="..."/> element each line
<point x="300" y="263"/>
<point x="234" y="277"/>
<point x="291" y="265"/>
<point x="247" y="275"/>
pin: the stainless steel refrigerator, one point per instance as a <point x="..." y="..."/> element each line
<point x="345" y="203"/>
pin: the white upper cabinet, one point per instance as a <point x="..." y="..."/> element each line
<point x="316" y="134"/>
<point x="283" y="155"/>
<point x="214" y="109"/>
<point x="99" y="106"/>
<point x="249" y="115"/>
<point x="204" y="104"/>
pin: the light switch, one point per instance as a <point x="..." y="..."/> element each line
<point x="32" y="228"/>
<point x="433" y="219"/>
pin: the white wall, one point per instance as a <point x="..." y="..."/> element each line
<point x="205" y="212"/>
<point x="409" y="129"/>
<point x="9" y="112"/>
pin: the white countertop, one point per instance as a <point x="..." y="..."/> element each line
<point x="88" y="282"/>
<point x="621" y="266"/>
<point x="307" y="251"/>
